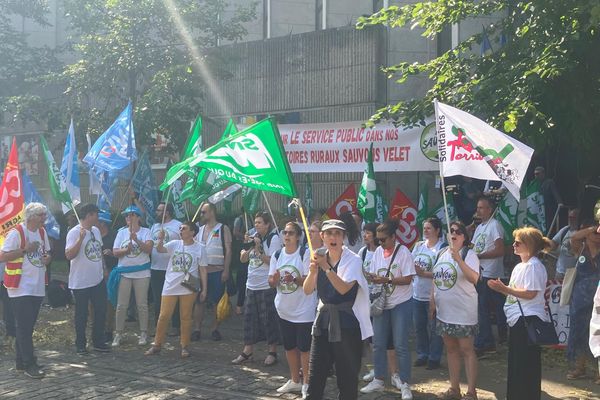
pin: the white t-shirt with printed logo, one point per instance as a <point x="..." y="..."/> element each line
<point x="33" y="278"/>
<point x="182" y="258"/>
<point x="291" y="302"/>
<point x="455" y="297"/>
<point x="483" y="240"/>
<point x="159" y="261"/>
<point x="424" y="258"/>
<point x="403" y="265"/>
<point x="86" y="268"/>
<point x="258" y="272"/>
<point x="137" y="256"/>
<point x="530" y="275"/>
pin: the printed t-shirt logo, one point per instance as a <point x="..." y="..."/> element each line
<point x="389" y="289"/>
<point x="480" y="243"/>
<point x="155" y="236"/>
<point x="287" y="274"/>
<point x="135" y="248"/>
<point x="181" y="262"/>
<point x="445" y="275"/>
<point x="510" y="299"/>
<point x="424" y="261"/>
<point x="93" y="250"/>
<point x="255" y="261"/>
<point x="35" y="258"/>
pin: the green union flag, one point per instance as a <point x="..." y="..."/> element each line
<point x="535" y="214"/>
<point x="508" y="214"/>
<point x="370" y="203"/>
<point x="422" y="208"/>
<point x="58" y="183"/>
<point x="253" y="157"/>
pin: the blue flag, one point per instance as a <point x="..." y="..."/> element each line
<point x="114" y="151"/>
<point x="486" y="45"/>
<point x="70" y="169"/>
<point x="32" y="196"/>
<point x="144" y="185"/>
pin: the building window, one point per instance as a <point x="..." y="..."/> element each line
<point x="444" y="40"/>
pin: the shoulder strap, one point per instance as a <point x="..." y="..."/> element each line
<point x="562" y="237"/>
<point x="463" y="252"/>
<point x="363" y="256"/>
<point x="302" y="252"/>
<point x="19" y="229"/>
<point x="439" y="254"/>
<point x="277" y="254"/>
<point x="387" y="274"/>
<point x="269" y="238"/>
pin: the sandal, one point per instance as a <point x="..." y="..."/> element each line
<point x="152" y="350"/>
<point x="185" y="353"/>
<point x="451" y="394"/>
<point x="242" y="358"/>
<point x="469" y="396"/>
<point x="271" y="359"/>
<point x="576" y="373"/>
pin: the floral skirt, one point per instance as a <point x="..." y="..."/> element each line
<point x="455" y="330"/>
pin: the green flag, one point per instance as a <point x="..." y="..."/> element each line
<point x="58" y="183"/>
<point x="308" y="195"/>
<point x="371" y="204"/>
<point x="253" y="157"/>
<point x="422" y="210"/>
<point x="250" y="200"/>
<point x="439" y="212"/>
<point x="535" y="214"/>
<point x="507" y="214"/>
<point x="193" y="145"/>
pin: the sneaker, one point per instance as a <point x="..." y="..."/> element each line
<point x="116" y="340"/>
<point x="290" y="386"/>
<point x="216" y="335"/>
<point x="103" y="348"/>
<point x="143" y="339"/>
<point x="376" y="385"/>
<point x="369" y="377"/>
<point x="396" y="381"/>
<point x="82" y="351"/>
<point x="406" y="393"/>
<point x="34" y="372"/>
<point x="305" y="391"/>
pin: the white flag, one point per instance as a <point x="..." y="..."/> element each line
<point x="220" y="196"/>
<point x="468" y="146"/>
<point x="70" y="169"/>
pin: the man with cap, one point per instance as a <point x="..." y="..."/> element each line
<point x="159" y="261"/>
<point x="342" y="321"/>
<point x="108" y="239"/>
<point x="83" y="249"/>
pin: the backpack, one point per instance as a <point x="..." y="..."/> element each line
<point x="363" y="256"/>
<point x="302" y="252"/>
<point x="59" y="294"/>
<point x="269" y="238"/>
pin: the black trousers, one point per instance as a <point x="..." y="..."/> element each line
<point x="96" y="295"/>
<point x="8" y="316"/>
<point x="157" y="280"/>
<point x="26" y="309"/>
<point x="524" y="365"/>
<point x="242" y="277"/>
<point x="345" y="355"/>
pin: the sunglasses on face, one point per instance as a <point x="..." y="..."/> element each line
<point x="383" y="239"/>
<point x="456" y="232"/>
<point x="517" y="243"/>
<point x="291" y="233"/>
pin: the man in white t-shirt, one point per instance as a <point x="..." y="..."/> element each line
<point x="83" y="248"/>
<point x="488" y="242"/>
<point x="159" y="261"/>
<point x="562" y="241"/>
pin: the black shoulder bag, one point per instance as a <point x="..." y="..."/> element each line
<point x="540" y="333"/>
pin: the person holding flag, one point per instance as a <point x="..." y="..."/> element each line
<point x="83" y="249"/>
<point x="26" y="254"/>
<point x="133" y="246"/>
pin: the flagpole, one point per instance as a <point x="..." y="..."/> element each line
<point x="305" y="223"/>
<point x="197" y="211"/>
<point x="166" y="204"/>
<point x="435" y="106"/>
<point x="246" y="220"/>
<point x="270" y="211"/>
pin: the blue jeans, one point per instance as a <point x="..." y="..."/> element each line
<point x="429" y="345"/>
<point x="489" y="298"/>
<point x="399" y="321"/>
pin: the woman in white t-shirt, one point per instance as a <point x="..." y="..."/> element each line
<point x="392" y="266"/>
<point x="454" y="304"/>
<point x="525" y="291"/>
<point x="132" y="247"/>
<point x="185" y="256"/>
<point x="429" y="344"/>
<point x="261" y="321"/>
<point x="297" y="311"/>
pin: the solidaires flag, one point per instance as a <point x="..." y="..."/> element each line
<point x="468" y="146"/>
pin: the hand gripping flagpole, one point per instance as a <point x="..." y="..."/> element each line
<point x="297" y="203"/>
<point x="435" y="106"/>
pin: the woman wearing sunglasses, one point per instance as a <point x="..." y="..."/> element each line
<point x="289" y="267"/>
<point x="454" y="304"/>
<point x="524" y="301"/>
<point x="186" y="256"/>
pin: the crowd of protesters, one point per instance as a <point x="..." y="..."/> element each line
<point x="448" y="291"/>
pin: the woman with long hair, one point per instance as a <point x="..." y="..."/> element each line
<point x="524" y="303"/>
<point x="454" y="304"/>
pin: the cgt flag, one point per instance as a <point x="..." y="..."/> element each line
<point x="405" y="212"/>
<point x="11" y="195"/>
<point x="346" y="202"/>
<point x="468" y="146"/>
<point x="253" y="157"/>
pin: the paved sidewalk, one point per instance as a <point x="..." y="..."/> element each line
<point x="127" y="374"/>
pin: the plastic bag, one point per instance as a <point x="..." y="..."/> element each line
<point x="223" y="308"/>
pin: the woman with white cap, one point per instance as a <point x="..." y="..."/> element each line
<point x="132" y="247"/>
<point x="342" y="321"/>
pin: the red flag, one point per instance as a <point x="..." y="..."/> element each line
<point x="11" y="194"/>
<point x="403" y="210"/>
<point x="346" y="202"/>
